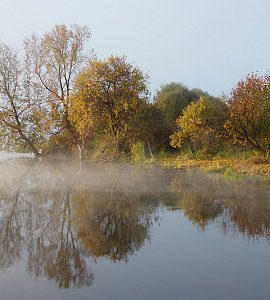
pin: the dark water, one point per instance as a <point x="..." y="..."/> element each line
<point x="123" y="232"/>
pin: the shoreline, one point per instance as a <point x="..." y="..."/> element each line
<point x="230" y="167"/>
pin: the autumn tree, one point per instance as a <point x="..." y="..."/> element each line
<point x="115" y="90"/>
<point x="249" y="109"/>
<point x="171" y="100"/>
<point x="84" y="119"/>
<point x="53" y="60"/>
<point x="22" y="120"/>
<point x="35" y="91"/>
<point x="148" y="127"/>
<point x="202" y="125"/>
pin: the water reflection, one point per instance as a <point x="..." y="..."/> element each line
<point x="241" y="206"/>
<point x="57" y="217"/>
<point x="36" y="224"/>
<point x="114" y="225"/>
<point x="61" y="219"/>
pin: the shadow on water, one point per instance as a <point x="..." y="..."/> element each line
<point x="60" y="217"/>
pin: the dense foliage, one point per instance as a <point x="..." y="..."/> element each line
<point x="59" y="97"/>
<point x="201" y="125"/>
<point x="171" y="100"/>
<point x="115" y="92"/>
<point x="249" y="108"/>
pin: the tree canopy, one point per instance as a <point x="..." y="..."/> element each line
<point x="22" y="115"/>
<point x="35" y="91"/>
<point x="171" y="100"/>
<point x="115" y="90"/>
<point x="249" y="108"/>
<point x="202" y="125"/>
<point x="58" y="96"/>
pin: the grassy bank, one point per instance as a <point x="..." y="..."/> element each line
<point x="229" y="164"/>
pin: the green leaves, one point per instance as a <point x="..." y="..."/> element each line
<point x="201" y="125"/>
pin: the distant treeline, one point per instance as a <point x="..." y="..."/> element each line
<point x="57" y="98"/>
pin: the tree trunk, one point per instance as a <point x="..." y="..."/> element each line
<point x="81" y="150"/>
<point x="150" y="150"/>
<point x="30" y="145"/>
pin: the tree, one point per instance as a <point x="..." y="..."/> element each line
<point x="84" y="119"/>
<point x="21" y="110"/>
<point x="148" y="127"/>
<point x="202" y="125"/>
<point x="249" y="109"/>
<point x="53" y="60"/>
<point x="172" y="99"/>
<point x="35" y="92"/>
<point x="115" y="90"/>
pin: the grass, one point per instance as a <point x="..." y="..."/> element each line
<point x="232" y="175"/>
<point x="232" y="165"/>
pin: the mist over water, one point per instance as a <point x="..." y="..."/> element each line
<point x="85" y="229"/>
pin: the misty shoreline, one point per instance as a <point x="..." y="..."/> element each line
<point x="232" y="168"/>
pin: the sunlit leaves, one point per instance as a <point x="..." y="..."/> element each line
<point x="202" y="125"/>
<point x="250" y="112"/>
<point x="115" y="90"/>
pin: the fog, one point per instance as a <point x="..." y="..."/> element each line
<point x="57" y="214"/>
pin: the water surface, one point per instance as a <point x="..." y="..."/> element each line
<point x="115" y="231"/>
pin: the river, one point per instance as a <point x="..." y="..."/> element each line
<point x="71" y="230"/>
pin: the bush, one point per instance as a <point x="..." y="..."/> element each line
<point x="249" y="109"/>
<point x="201" y="127"/>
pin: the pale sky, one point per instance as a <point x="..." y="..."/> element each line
<point x="208" y="44"/>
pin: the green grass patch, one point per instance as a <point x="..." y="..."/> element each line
<point x="232" y="174"/>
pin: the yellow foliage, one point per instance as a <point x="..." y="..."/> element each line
<point x="109" y="94"/>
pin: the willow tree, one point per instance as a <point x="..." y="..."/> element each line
<point x="53" y="60"/>
<point x="115" y="89"/>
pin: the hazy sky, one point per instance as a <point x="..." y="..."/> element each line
<point x="209" y="44"/>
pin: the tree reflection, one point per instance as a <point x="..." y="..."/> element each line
<point x="56" y="221"/>
<point x="111" y="223"/>
<point x="60" y="220"/>
<point x="55" y="253"/>
<point x="36" y="223"/>
<point x="239" y="206"/>
<point x="10" y="232"/>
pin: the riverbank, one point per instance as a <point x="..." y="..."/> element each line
<point x="229" y="166"/>
<point x="235" y="165"/>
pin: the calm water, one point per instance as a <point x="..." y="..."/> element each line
<point x="123" y="232"/>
